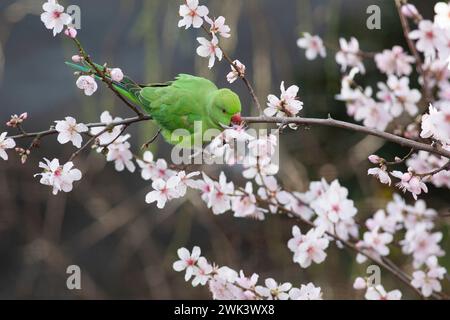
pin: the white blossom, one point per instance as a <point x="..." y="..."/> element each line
<point x="163" y="191"/>
<point x="87" y="84"/>
<point x="59" y="177"/>
<point x="54" y="16"/>
<point x="69" y="130"/>
<point x="273" y="290"/>
<point x="349" y="55"/>
<point x="209" y="49"/>
<point x="192" y="14"/>
<point x="5" y="143"/>
<point x="313" y="46"/>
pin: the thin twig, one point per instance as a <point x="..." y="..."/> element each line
<point x="148" y="143"/>
<point x="400" y="161"/>
<point x="432" y="173"/>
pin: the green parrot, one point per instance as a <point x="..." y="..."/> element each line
<point x="181" y="104"/>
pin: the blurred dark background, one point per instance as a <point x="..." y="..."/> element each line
<point x="126" y="248"/>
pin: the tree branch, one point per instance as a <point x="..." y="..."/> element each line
<point x="353" y="127"/>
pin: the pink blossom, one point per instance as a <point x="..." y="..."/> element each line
<point x="234" y="75"/>
<point x="116" y="74"/>
<point x="188" y="261"/>
<point x="87" y="84"/>
<point x="218" y="26"/>
<point x="59" y="177"/>
<point x="410" y="11"/>
<point x="119" y="153"/>
<point x="54" y="16"/>
<point x="71" y="32"/>
<point x="442" y="17"/>
<point x="209" y="49"/>
<point x="379" y="293"/>
<point x="409" y="182"/>
<point x="306" y="292"/>
<point x="273" y="290"/>
<point x="69" y="130"/>
<point x="381" y="174"/>
<point x="308" y="248"/>
<point x="202" y="273"/>
<point x="360" y="284"/>
<point x="436" y="124"/>
<point x="313" y="45"/>
<point x="394" y="61"/>
<point x="163" y="191"/>
<point x="377" y="241"/>
<point x="428" y="36"/>
<point x="349" y="55"/>
<point x="192" y="14"/>
<point x="287" y="105"/>
<point x="5" y="143"/>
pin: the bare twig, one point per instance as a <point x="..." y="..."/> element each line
<point x="400" y="161"/>
<point x="148" y="143"/>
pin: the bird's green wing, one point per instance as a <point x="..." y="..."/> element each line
<point x="178" y="105"/>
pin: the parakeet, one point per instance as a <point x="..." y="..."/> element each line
<point x="177" y="105"/>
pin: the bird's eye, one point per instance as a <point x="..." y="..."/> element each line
<point x="224" y="111"/>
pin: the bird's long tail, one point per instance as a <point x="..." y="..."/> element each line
<point x="127" y="87"/>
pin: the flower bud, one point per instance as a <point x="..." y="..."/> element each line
<point x="359" y="284"/>
<point x="71" y="32"/>
<point x="374" y="159"/>
<point x="116" y="74"/>
<point x="410" y="11"/>
<point x="77" y="58"/>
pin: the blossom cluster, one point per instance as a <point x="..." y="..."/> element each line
<point x="375" y="291"/>
<point x="419" y="240"/>
<point x="225" y="283"/>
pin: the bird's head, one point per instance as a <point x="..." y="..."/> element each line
<point x="225" y="108"/>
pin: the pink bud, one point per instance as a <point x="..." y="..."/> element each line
<point x="359" y="284"/>
<point x="116" y="74"/>
<point x="374" y="159"/>
<point x="24" y="116"/>
<point x="410" y="11"/>
<point x="71" y="32"/>
<point x="76" y="58"/>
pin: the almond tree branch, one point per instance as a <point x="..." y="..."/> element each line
<point x="330" y="122"/>
<point x="51" y="131"/>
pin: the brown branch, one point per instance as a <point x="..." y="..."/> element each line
<point x="353" y="127"/>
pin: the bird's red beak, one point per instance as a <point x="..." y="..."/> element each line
<point x="236" y="119"/>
